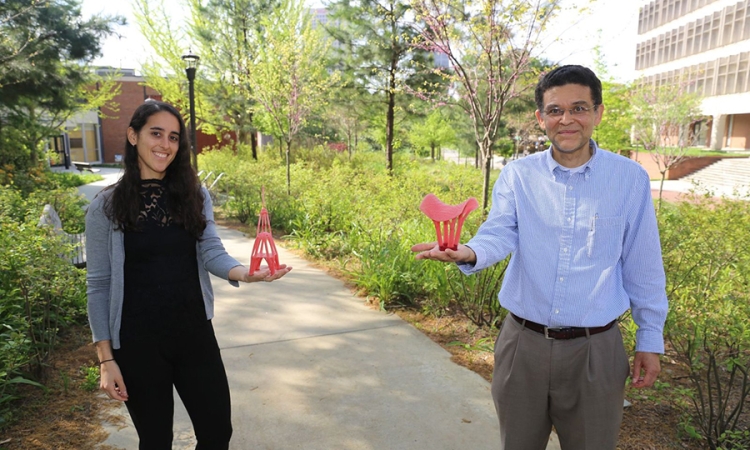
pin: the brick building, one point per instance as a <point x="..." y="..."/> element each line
<point x="93" y="139"/>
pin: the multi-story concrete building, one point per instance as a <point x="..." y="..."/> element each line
<point x="705" y="43"/>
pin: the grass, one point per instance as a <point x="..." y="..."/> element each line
<point x="70" y="179"/>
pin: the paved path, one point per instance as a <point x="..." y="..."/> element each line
<point x="311" y="367"/>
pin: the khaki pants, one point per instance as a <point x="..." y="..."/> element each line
<point x="577" y="385"/>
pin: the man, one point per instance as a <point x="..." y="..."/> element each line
<point x="580" y="224"/>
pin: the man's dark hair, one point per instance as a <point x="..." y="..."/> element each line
<point x="571" y="74"/>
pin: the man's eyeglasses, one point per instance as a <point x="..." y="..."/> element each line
<point x="574" y="111"/>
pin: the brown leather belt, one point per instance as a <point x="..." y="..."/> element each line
<point x="561" y="332"/>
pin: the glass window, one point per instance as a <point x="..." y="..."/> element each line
<point x="726" y="38"/>
<point x="743" y="73"/>
<point x="706" y="35"/>
<point x="721" y="77"/>
<point x="715" y="29"/>
<point x="731" y="83"/>
<point x="708" y="88"/>
<point x="76" y="145"/>
<point x="698" y="37"/>
<point x="670" y="10"/>
<point x="661" y="51"/>
<point x="739" y="19"/>
<point x="92" y="144"/>
<point x="84" y="143"/>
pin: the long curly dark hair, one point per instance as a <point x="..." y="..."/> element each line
<point x="182" y="188"/>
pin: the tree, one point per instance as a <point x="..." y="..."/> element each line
<point x="232" y="46"/>
<point x="613" y="133"/>
<point x="45" y="49"/>
<point x="225" y="34"/>
<point x="289" y="76"/>
<point x="374" y="42"/>
<point x="663" y="115"/>
<point x="488" y="44"/>
<point x="434" y="133"/>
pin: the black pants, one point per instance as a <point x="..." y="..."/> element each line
<point x="191" y="364"/>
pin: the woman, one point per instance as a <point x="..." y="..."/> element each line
<point x="151" y="242"/>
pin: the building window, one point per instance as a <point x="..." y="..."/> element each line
<point x="743" y="73"/>
<point x="715" y="30"/>
<point x="732" y="71"/>
<point x="721" y="77"/>
<point x="84" y="143"/>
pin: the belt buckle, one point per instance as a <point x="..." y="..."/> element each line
<point x="546" y="332"/>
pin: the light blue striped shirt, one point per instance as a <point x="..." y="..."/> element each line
<point x="584" y="243"/>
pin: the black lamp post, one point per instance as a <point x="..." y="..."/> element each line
<point x="191" y="63"/>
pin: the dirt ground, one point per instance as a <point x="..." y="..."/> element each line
<point x="67" y="416"/>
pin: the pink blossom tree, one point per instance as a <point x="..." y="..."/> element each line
<point x="488" y="45"/>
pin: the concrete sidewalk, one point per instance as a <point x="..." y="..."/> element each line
<point x="311" y="367"/>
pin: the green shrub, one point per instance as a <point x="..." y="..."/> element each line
<point x="355" y="213"/>
<point x="40" y="293"/>
<point x="707" y="261"/>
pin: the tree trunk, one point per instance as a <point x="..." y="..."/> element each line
<point x="389" y="119"/>
<point x="33" y="139"/>
<point x="389" y="129"/>
<point x="661" y="190"/>
<point x="432" y="152"/>
<point x="349" y="143"/>
<point x="288" y="166"/>
<point x="486" y="151"/>
<point x="254" y="144"/>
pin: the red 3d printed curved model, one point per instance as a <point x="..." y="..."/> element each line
<point x="264" y="247"/>
<point x="448" y="219"/>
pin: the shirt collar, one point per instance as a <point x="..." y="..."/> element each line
<point x="589" y="166"/>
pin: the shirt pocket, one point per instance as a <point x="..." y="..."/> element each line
<point x="604" y="240"/>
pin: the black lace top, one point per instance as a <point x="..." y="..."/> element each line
<point x="162" y="289"/>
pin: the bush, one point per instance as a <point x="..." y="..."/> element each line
<point x="40" y="293"/>
<point x="707" y="261"/>
<point x="354" y="214"/>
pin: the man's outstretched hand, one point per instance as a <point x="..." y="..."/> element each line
<point x="431" y="250"/>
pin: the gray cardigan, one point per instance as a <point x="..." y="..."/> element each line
<point x="105" y="251"/>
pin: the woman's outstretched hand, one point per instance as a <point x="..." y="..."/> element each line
<point x="431" y="250"/>
<point x="240" y="273"/>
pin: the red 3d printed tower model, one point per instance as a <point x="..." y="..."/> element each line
<point x="264" y="247"/>
<point x="448" y="219"/>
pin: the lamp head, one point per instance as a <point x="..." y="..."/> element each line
<point x="191" y="60"/>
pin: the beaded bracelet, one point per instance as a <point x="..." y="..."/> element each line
<point x="106" y="360"/>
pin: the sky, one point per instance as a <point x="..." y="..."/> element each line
<point x="571" y="37"/>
